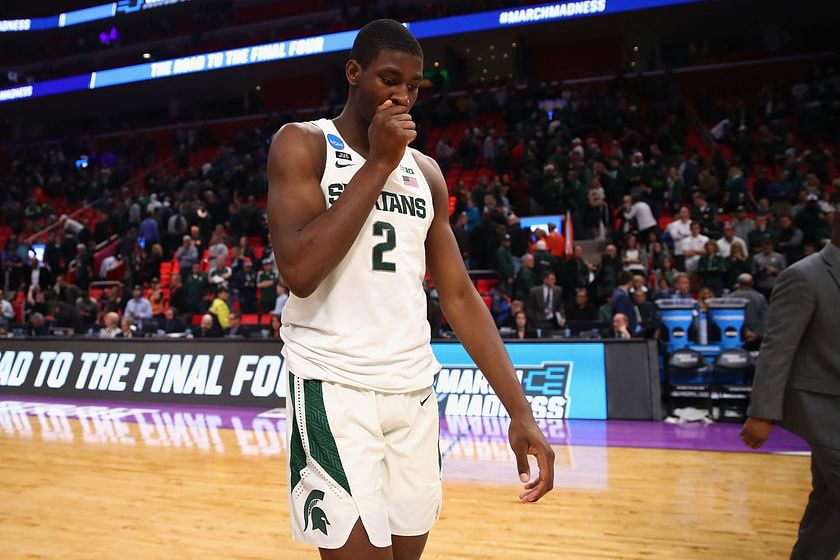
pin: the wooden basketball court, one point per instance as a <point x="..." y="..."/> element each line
<point x="107" y="488"/>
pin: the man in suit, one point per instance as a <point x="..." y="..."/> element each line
<point x="756" y="312"/>
<point x="797" y="385"/>
<point x="545" y="304"/>
<point x="621" y="302"/>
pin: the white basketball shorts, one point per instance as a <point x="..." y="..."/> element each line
<point x="358" y="454"/>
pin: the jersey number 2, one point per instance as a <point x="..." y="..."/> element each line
<point x="387" y="230"/>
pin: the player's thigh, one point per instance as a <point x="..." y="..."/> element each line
<point x="412" y="466"/>
<point x="408" y="548"/>
<point x="358" y="547"/>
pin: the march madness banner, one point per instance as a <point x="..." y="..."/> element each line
<point x="560" y="380"/>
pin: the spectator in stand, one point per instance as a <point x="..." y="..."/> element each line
<point x="236" y="329"/>
<point x="220" y="309"/>
<point x="84" y="266"/>
<point x="282" y="298"/>
<point x="737" y="264"/>
<point x="149" y="229"/>
<point x="704" y="213"/>
<point x="156" y="299"/>
<point x="462" y="237"/>
<point x="666" y="271"/>
<point x="187" y="256"/>
<point x="177" y="293"/>
<point x="245" y="287"/>
<point x="544" y="261"/>
<point x="783" y="189"/>
<point x="151" y="264"/>
<point x="712" y="269"/>
<point x="621" y="302"/>
<point x="196" y="288"/>
<point x="206" y="329"/>
<point x="606" y="277"/>
<point x="678" y="230"/>
<point x="762" y="232"/>
<point x="582" y="310"/>
<point x="220" y="274"/>
<point x="766" y="267"/>
<point x="172" y="323"/>
<point x="555" y="242"/>
<point x="87" y="307"/>
<point x="138" y="307"/>
<point x="646" y="313"/>
<point x="525" y="278"/>
<point x="127" y="328"/>
<point x="735" y="189"/>
<point x="504" y="261"/>
<point x="725" y="243"/>
<point x="638" y="213"/>
<point x="522" y="328"/>
<point x="694" y="247"/>
<point x="811" y="221"/>
<point x="633" y="256"/>
<point x="576" y="273"/>
<point x="7" y="312"/>
<point x="756" y="312"/>
<point x="218" y="247"/>
<point x="621" y="328"/>
<point x="791" y="240"/>
<point x="743" y="225"/>
<point x="274" y="326"/>
<point x="112" y="325"/>
<point x="266" y="286"/>
<point x="545" y="304"/>
<point x="38" y="325"/>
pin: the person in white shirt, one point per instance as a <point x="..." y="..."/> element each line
<point x="678" y="230"/>
<point x="641" y="212"/>
<point x="694" y="247"/>
<point x="725" y="243"/>
<point x="7" y="312"/>
<point x="112" y="326"/>
<point x="282" y="298"/>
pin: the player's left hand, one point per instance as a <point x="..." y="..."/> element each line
<point x="526" y="439"/>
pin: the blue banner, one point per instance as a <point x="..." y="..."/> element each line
<point x="84" y="15"/>
<point x="560" y="380"/>
<point x="319" y="44"/>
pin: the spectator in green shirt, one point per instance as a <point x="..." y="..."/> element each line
<point x="266" y="282"/>
<point x="196" y="286"/>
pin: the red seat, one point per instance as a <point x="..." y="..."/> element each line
<point x="488" y="301"/>
<point x="484" y="285"/>
<point x="250" y="319"/>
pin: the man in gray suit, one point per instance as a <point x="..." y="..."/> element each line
<point x="755" y="315"/>
<point x="545" y="304"/>
<point x="797" y="385"/>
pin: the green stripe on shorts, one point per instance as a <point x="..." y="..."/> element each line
<point x="322" y="447"/>
<point x="297" y="456"/>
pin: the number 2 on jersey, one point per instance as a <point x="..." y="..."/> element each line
<point x="387" y="230"/>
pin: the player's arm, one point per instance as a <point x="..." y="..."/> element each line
<point x="308" y="240"/>
<point x="476" y="330"/>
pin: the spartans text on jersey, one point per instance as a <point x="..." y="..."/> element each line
<point x="387" y="201"/>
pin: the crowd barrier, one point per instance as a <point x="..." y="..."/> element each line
<point x="561" y="379"/>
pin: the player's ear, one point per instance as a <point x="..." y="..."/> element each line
<point x="352" y="70"/>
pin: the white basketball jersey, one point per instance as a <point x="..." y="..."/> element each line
<point x="365" y="324"/>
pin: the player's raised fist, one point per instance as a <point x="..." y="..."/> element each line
<point x="391" y="131"/>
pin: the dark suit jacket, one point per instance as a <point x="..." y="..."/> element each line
<point x="797" y="379"/>
<point x="621" y="303"/>
<point x="536" y="306"/>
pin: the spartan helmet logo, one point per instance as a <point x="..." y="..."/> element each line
<point x="313" y="512"/>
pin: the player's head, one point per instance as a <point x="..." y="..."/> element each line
<point x="386" y="62"/>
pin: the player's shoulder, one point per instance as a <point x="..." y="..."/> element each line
<point x="428" y="165"/>
<point x="295" y="133"/>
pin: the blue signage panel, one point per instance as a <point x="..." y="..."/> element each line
<point x="319" y="44"/>
<point x="560" y="380"/>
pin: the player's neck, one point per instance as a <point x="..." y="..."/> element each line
<point x="353" y="129"/>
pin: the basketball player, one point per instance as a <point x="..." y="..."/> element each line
<point x="356" y="217"/>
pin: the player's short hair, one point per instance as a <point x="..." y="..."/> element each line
<point x="383" y="34"/>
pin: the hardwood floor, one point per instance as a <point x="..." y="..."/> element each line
<point x="125" y="496"/>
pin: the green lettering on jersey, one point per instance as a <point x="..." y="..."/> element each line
<point x="421" y="208"/>
<point x="334" y="191"/>
<point x="408" y="204"/>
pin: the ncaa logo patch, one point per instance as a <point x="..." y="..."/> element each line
<point x="335" y="141"/>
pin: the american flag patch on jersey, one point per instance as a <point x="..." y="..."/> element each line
<point x="410" y="181"/>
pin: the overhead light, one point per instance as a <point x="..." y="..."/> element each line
<point x="468" y="50"/>
<point x="259" y="88"/>
<point x="492" y="47"/>
<point x="478" y="58"/>
<point x="437" y="64"/>
<point x="146" y="56"/>
<point x="504" y="55"/>
<point x="633" y="63"/>
<point x="492" y="57"/>
<point x="636" y="49"/>
<point x="513" y="44"/>
<point x="485" y="70"/>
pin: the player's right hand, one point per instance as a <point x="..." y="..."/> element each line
<point x="390" y="132"/>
